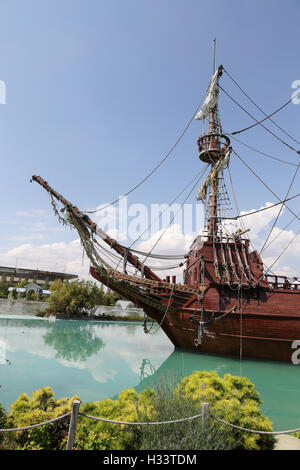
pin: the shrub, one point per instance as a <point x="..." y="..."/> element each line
<point x="77" y="298"/>
<point x="186" y="435"/>
<point x="2" y="422"/>
<point x="41" y="407"/>
<point x="73" y="298"/>
<point x="232" y="399"/>
<point x="130" y="407"/>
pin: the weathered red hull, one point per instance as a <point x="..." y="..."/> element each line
<point x="261" y="322"/>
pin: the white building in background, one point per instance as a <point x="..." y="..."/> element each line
<point x="29" y="288"/>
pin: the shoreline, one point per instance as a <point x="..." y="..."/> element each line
<point x="106" y="318"/>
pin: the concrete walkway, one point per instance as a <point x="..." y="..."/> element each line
<point x="286" y="442"/>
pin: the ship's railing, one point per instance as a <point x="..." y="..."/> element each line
<point x="219" y="237"/>
<point x="280" y="282"/>
<point x="206" y="141"/>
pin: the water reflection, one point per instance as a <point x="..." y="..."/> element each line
<point x="277" y="383"/>
<point x="73" y="342"/>
<point x="96" y="360"/>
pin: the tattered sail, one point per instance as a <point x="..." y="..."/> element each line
<point x="211" y="99"/>
<point x="220" y="165"/>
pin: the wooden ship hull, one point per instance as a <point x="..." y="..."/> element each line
<point x="256" y="321"/>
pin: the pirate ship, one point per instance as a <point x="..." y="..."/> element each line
<point x="227" y="302"/>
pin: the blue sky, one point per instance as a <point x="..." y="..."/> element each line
<point x="98" y="91"/>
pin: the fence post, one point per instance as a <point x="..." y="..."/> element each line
<point x="204" y="409"/>
<point x="73" y="424"/>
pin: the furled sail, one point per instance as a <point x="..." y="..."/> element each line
<point x="213" y="174"/>
<point x="211" y="98"/>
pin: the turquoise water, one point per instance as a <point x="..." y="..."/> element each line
<point x="96" y="360"/>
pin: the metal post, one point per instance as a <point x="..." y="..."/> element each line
<point x="73" y="424"/>
<point x="205" y="415"/>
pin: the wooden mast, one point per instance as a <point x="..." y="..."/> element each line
<point x="214" y="143"/>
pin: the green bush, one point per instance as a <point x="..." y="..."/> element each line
<point x="232" y="399"/>
<point x="77" y="298"/>
<point x="186" y="435"/>
<point x="41" y="407"/>
<point x="129" y="407"/>
<point x="3" y="287"/>
<point x="2" y="422"/>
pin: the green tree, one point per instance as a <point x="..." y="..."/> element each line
<point x="14" y="294"/>
<point x="46" y="283"/>
<point x="3" y="287"/>
<point x="73" y="299"/>
<point x="56" y="285"/>
<point x="110" y="298"/>
<point x="11" y="281"/>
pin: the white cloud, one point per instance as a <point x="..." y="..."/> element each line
<point x="62" y="256"/>
<point x="34" y="236"/>
<point x="68" y="256"/>
<point x="32" y="213"/>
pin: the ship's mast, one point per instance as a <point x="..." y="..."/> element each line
<point x="212" y="148"/>
<point x="214" y="143"/>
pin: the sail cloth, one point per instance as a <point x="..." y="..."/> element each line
<point x="219" y="165"/>
<point x="211" y="99"/>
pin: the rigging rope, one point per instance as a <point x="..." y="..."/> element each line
<point x="282" y="230"/>
<point x="162" y="234"/>
<point x="165" y="314"/>
<point x="197" y="177"/>
<point x="288" y="245"/>
<point x="267" y="116"/>
<point x="257" y="122"/>
<point x="263" y="153"/>
<point x="280" y="210"/>
<point x="155" y="168"/>
<point x="262" y="209"/>
<point x="157" y="256"/>
<point x="252" y="171"/>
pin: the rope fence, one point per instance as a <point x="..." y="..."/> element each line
<point x="205" y="415"/>
<point x="36" y="425"/>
